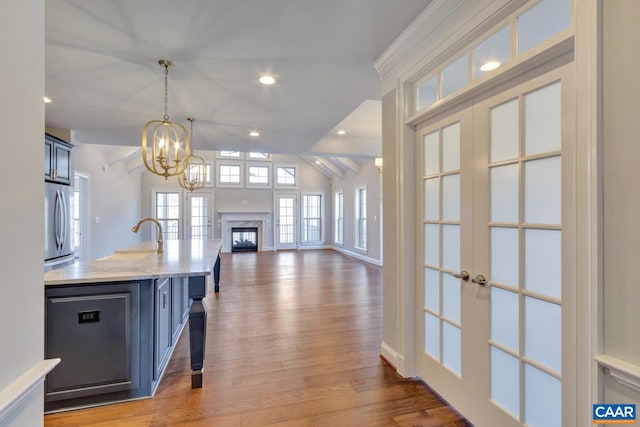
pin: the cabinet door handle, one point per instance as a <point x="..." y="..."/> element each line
<point x="164" y="300"/>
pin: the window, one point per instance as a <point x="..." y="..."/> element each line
<point x="258" y="156"/>
<point x="196" y="172"/>
<point x="427" y="93"/>
<point x="361" y="218"/>
<point x="492" y="53"/>
<point x="312" y="217"/>
<point x="339" y="237"/>
<point x="229" y="174"/>
<point x="168" y="214"/>
<point x="454" y="76"/>
<point x="543" y="21"/>
<point x="229" y="154"/>
<point x="286" y="176"/>
<point x="258" y="175"/>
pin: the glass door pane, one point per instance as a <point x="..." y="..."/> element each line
<point x="525" y="181"/>
<point x="441" y="233"/>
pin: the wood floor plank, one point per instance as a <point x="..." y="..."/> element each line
<point x="293" y="340"/>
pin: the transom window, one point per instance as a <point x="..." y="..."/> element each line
<point x="540" y="23"/>
<point x="230" y="154"/>
<point x="258" y="156"/>
<point x="286" y="176"/>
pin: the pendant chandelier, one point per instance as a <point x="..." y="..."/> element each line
<point x="194" y="169"/>
<point x="165" y="144"/>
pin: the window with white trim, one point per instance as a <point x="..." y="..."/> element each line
<point x="196" y="172"/>
<point x="259" y="156"/>
<point x="361" y="218"/>
<point x="312" y="217"/>
<point x="258" y="175"/>
<point x="339" y="218"/>
<point x="229" y="174"/>
<point x="230" y="154"/>
<point x="286" y="176"/>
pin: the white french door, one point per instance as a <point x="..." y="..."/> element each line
<point x="494" y="323"/>
<point x="286" y="214"/>
<point x="198" y="216"/>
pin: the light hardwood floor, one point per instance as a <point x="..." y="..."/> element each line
<point x="293" y="339"/>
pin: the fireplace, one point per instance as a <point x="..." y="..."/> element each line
<point x="244" y="239"/>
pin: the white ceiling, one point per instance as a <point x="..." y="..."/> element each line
<point x="103" y="76"/>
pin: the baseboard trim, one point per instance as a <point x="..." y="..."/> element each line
<point x="22" y="388"/>
<point x="357" y="255"/>
<point x="392" y="357"/>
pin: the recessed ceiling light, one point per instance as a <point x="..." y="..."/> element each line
<point x="254" y="133"/>
<point x="488" y="66"/>
<point x="342" y="132"/>
<point x="267" y="80"/>
<point x="46" y="100"/>
<point x="317" y="162"/>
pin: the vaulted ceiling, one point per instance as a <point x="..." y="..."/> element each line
<point x="103" y="77"/>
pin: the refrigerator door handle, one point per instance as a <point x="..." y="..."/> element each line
<point x="63" y="227"/>
<point x="56" y="215"/>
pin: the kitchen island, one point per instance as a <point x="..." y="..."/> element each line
<point x="114" y="321"/>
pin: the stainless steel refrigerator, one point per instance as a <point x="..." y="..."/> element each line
<point x="58" y="247"/>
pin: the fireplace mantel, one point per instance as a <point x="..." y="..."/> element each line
<point x="261" y="220"/>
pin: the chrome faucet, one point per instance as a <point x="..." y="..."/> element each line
<point x="160" y="242"/>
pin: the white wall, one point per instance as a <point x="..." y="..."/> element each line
<point x="390" y="286"/>
<point x="114" y="205"/>
<point x="22" y="195"/>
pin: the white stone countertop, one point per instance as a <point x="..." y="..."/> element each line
<point x="142" y="261"/>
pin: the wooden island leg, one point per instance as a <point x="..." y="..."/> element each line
<point x="216" y="275"/>
<point x="197" y="328"/>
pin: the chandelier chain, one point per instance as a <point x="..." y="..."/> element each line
<point x="166" y="92"/>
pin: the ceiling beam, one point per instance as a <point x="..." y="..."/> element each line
<point x="346" y="164"/>
<point x="324" y="165"/>
<point x="134" y="164"/>
<point x="121" y="154"/>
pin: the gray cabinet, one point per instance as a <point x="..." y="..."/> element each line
<point x="178" y="313"/>
<point x="163" y="333"/>
<point x="57" y="160"/>
<point x="114" y="339"/>
<point x="95" y="330"/>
